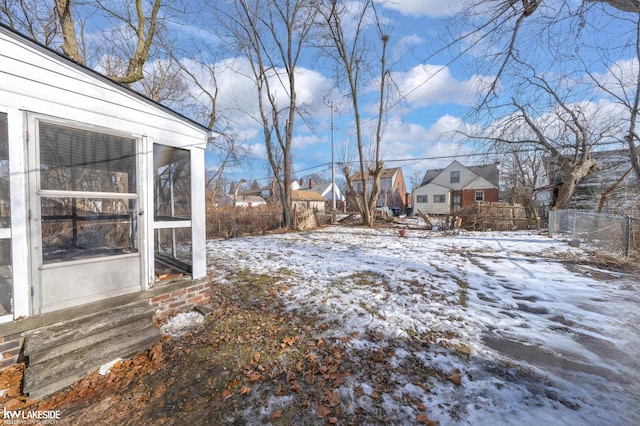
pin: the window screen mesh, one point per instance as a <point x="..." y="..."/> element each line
<point x="81" y="160"/>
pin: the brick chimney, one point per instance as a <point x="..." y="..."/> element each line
<point x="301" y="182"/>
<point x="310" y="183"/>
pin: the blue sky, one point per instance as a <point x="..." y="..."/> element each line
<point x="437" y="93"/>
<point x="436" y="97"/>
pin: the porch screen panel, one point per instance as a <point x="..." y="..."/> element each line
<point x="88" y="193"/>
<point x="76" y="228"/>
<point x="6" y="277"/>
<point x="80" y="160"/>
<point x="172" y="207"/>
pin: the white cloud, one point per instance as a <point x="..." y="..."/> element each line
<point x="404" y="140"/>
<point x="429" y="8"/>
<point x="305" y="141"/>
<point x="426" y="85"/>
<point x="621" y="77"/>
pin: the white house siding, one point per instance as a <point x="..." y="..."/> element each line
<point x="466" y="176"/>
<point x="479" y="183"/>
<point x="431" y="208"/>
<point x="36" y="83"/>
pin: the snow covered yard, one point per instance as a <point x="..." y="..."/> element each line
<point x="479" y="328"/>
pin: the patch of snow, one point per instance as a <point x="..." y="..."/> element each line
<point x="105" y="368"/>
<point x="548" y="343"/>
<point x="182" y="323"/>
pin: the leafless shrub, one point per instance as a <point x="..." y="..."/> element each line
<point x="229" y="222"/>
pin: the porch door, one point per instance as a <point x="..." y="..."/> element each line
<point x="84" y="215"/>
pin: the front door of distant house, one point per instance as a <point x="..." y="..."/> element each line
<point x="84" y="206"/>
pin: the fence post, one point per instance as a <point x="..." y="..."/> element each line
<point x="627" y="236"/>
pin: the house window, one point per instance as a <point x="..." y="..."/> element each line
<point x="6" y="277"/>
<point x="88" y="196"/>
<point x="422" y="198"/>
<point x="455" y="176"/>
<point x="440" y="198"/>
<point x="479" y="195"/>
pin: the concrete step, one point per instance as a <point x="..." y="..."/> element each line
<point x="57" y="373"/>
<point x="73" y="333"/>
<point x="62" y="353"/>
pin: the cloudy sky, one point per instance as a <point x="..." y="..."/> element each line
<point x="431" y="100"/>
<point x="434" y="93"/>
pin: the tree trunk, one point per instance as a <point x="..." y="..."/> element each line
<point x="70" y="44"/>
<point x="570" y="181"/>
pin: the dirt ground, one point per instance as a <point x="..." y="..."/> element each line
<point x="245" y="353"/>
<point x="249" y="355"/>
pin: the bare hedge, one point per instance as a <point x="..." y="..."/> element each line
<point x="229" y="222"/>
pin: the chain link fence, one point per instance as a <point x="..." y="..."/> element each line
<point x="618" y="235"/>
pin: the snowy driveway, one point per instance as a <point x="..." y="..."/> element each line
<point x="534" y="338"/>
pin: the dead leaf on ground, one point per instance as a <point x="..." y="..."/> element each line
<point x="422" y="418"/>
<point x="332" y="397"/>
<point x="456" y="377"/>
<point x="253" y="377"/>
<point x="245" y="390"/>
<point x="276" y="414"/>
<point x="359" y="390"/>
<point x="322" y="411"/>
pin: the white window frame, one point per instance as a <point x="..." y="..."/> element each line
<point x="481" y="196"/>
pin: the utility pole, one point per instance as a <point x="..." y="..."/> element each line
<point x="333" y="172"/>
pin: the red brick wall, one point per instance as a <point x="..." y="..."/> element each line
<point x="469" y="196"/>
<point x="10" y="349"/>
<point x="182" y="299"/>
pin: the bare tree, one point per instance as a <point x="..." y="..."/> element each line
<point x="272" y="35"/>
<point x="124" y="48"/>
<point x="569" y="31"/>
<point x="541" y="116"/>
<point x="622" y="83"/>
<point x="34" y="18"/>
<point x="348" y="46"/>
<point x="163" y="82"/>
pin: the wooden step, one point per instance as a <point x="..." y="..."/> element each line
<point x="62" y="353"/>
<point x="56" y="373"/>
<point x="64" y="333"/>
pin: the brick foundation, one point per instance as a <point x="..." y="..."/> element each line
<point x="181" y="300"/>
<point x="10" y="347"/>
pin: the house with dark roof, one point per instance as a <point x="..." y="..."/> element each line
<point x="446" y="191"/>
<point x="393" y="191"/>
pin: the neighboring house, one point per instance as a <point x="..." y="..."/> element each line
<point x="106" y="197"/>
<point x="242" y="201"/>
<point x="308" y="200"/>
<point x="445" y="191"/>
<point x="393" y="191"/>
<point x="613" y="165"/>
<point x="263" y="193"/>
<point x="325" y="189"/>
